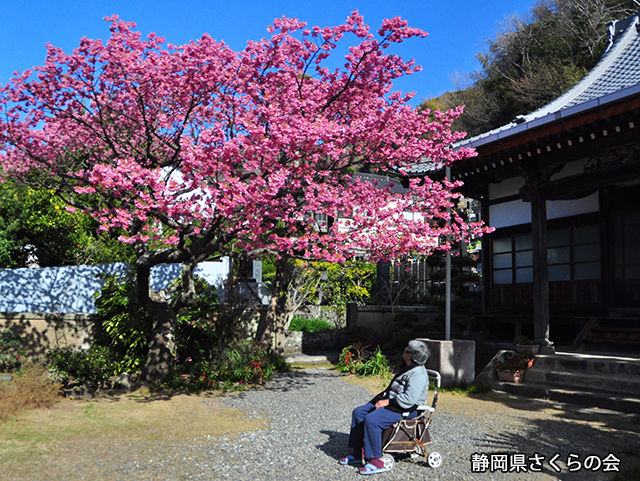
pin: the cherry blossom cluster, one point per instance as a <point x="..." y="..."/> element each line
<point x="187" y="145"/>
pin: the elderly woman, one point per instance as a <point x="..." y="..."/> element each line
<point x="405" y="393"/>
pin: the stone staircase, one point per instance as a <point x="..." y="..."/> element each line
<point x="610" y="334"/>
<point x="588" y="379"/>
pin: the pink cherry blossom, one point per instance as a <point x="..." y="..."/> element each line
<point x="189" y="150"/>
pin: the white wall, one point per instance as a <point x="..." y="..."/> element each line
<point x="70" y="289"/>
<point x="517" y="212"/>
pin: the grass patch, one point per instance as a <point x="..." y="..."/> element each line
<point x="30" y="388"/>
<point x="142" y="416"/>
<point x="475" y="389"/>
<point x="374" y="384"/>
<point x="310" y="325"/>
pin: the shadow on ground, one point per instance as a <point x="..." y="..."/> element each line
<point x="336" y="445"/>
<point x="568" y="433"/>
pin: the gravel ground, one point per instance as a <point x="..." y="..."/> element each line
<point x="311" y="412"/>
<point x="308" y="414"/>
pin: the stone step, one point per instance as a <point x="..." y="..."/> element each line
<point x="612" y="322"/>
<point x="589" y="363"/>
<point x="615" y="334"/>
<point x="614" y="329"/>
<point x="588" y="398"/>
<point x="627" y="346"/>
<point x="584" y="380"/>
<point x="603" y="380"/>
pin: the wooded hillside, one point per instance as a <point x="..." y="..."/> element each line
<point x="532" y="60"/>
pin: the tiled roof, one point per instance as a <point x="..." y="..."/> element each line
<point x="615" y="77"/>
<point x="383" y="182"/>
<point x="618" y="70"/>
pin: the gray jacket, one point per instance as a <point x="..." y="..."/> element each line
<point x="408" y="390"/>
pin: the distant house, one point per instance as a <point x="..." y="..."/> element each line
<point x="561" y="186"/>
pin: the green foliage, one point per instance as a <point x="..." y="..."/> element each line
<point x="234" y="365"/>
<point x="9" y="353"/>
<point x="124" y="326"/>
<point x="206" y="356"/>
<point x="92" y="367"/>
<point x="200" y="327"/>
<point x="374" y="365"/>
<point x="268" y="270"/>
<point x="355" y="359"/>
<point x="342" y="284"/>
<point x="35" y="226"/>
<point x="310" y="325"/>
<point x="328" y="283"/>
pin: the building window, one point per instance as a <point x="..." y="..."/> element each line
<point x="627" y="254"/>
<point x="513" y="260"/>
<point x="573" y="254"/>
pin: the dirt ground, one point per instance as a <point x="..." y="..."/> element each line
<point x="89" y="435"/>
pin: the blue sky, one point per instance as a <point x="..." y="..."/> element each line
<point x="457" y="29"/>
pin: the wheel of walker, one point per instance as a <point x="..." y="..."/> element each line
<point x="434" y="460"/>
<point x="389" y="461"/>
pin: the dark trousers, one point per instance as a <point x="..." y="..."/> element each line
<point x="367" y="424"/>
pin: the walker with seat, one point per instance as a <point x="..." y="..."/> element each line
<point x="410" y="436"/>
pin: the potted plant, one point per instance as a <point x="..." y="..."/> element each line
<point x="523" y="343"/>
<point x="526" y="357"/>
<point x="511" y="367"/>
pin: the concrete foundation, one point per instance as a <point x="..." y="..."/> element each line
<point x="296" y="342"/>
<point x="455" y="360"/>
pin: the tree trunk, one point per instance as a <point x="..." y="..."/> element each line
<point x="160" y="358"/>
<point x="161" y="345"/>
<point x="275" y="317"/>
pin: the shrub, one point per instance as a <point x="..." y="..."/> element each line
<point x="9" y="355"/>
<point x="124" y="326"/>
<point x="240" y="363"/>
<point x="200" y="326"/>
<point x="355" y="359"/>
<point x="91" y="367"/>
<point x="310" y="325"/>
<point x="375" y="365"/>
<point x="30" y="388"/>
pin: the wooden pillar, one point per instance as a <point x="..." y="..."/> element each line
<point x="531" y="192"/>
<point x="540" y="268"/>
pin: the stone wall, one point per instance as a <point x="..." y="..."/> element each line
<point x="296" y="342"/>
<point x="378" y="318"/>
<point x="43" y="332"/>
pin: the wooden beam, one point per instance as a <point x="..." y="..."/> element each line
<point x="539" y="134"/>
